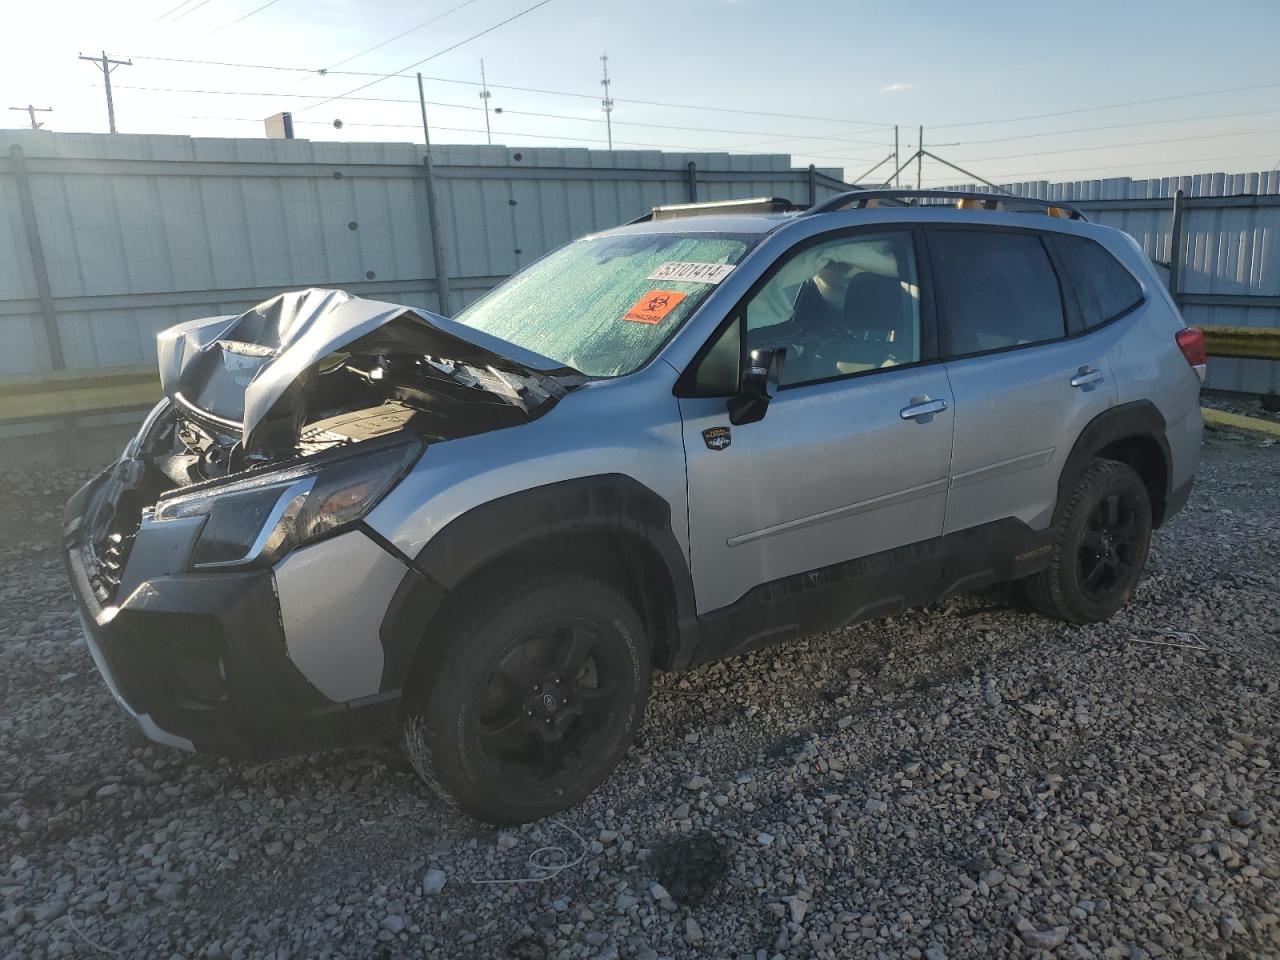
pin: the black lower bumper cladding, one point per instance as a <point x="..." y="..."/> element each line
<point x="203" y="658"/>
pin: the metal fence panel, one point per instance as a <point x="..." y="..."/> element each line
<point x="1227" y="247"/>
<point x="139" y="232"/>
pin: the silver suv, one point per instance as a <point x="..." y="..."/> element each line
<point x="698" y="434"/>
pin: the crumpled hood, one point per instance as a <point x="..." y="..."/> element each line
<point x="239" y="369"/>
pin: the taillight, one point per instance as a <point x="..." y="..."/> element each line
<point x="1191" y="343"/>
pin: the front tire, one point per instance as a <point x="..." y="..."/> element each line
<point x="1101" y="547"/>
<point x="530" y="699"/>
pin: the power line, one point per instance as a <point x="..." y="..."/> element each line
<point x="239" y="19"/>
<point x="1011" y="177"/>
<point x="189" y="10"/>
<point x="274" y="93"/>
<point x="506" y="110"/>
<point x="1117" y="146"/>
<point x="1104" y="146"/>
<point x="476" y="130"/>
<point x="520" y="89"/>
<point x="254" y="66"/>
<point x="1109" y="106"/>
<point x="171" y="10"/>
<point x="404" y="33"/>
<point x="438" y="53"/>
<point x="1110" y="126"/>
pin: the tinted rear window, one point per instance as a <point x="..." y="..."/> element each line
<point x="1103" y="288"/>
<point x="996" y="290"/>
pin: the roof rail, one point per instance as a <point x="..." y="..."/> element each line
<point x="713" y="207"/>
<point x="964" y="200"/>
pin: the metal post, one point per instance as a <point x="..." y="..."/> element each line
<point x="967" y="173"/>
<point x="813" y="185"/>
<point x="897" y="160"/>
<point x="106" y="77"/>
<point x="919" y="157"/>
<point x="889" y="180"/>
<point x="607" y="103"/>
<point x="38" y="265"/>
<point x="691" y="181"/>
<point x="1175" y="246"/>
<point x="31" y="110"/>
<point x="433" y="213"/>
<point x="485" y="95"/>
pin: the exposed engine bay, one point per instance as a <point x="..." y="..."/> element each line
<point x="356" y="398"/>
<point x="299" y="378"/>
<point x="311" y="370"/>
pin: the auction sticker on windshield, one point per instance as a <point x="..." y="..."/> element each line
<point x="653" y="306"/>
<point x="695" y="272"/>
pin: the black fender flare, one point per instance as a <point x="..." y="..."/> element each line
<point x="1139" y="418"/>
<point x="605" y="503"/>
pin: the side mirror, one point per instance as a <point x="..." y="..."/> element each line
<point x="757" y="386"/>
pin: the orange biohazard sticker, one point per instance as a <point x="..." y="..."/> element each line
<point x="653" y="306"/>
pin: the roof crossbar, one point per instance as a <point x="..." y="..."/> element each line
<point x="965" y="199"/>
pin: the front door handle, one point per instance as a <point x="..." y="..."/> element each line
<point x="1086" y="376"/>
<point x="922" y="407"/>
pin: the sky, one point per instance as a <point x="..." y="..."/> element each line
<point x="1007" y="90"/>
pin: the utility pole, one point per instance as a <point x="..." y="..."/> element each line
<point x="31" y="111"/>
<point x="607" y="102"/>
<point x="919" y="157"/>
<point x="106" y="65"/>
<point x="485" y="95"/>
<point x="433" y="213"/>
<point x="896" y="161"/>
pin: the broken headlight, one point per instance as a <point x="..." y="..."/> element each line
<point x="255" y="522"/>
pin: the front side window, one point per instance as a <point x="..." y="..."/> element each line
<point x="995" y="290"/>
<point x="604" y="306"/>
<point x="1103" y="288"/>
<point x="840" y="307"/>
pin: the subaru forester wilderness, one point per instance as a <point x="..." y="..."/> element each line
<point x="706" y="431"/>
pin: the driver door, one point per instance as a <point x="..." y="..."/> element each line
<point x="852" y="455"/>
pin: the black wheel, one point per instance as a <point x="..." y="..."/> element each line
<point x="531" y="697"/>
<point x="1101" y="547"/>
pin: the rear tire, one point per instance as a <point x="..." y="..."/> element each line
<point x="530" y="698"/>
<point x="1100" y="549"/>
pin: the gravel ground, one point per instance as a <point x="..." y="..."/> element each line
<point x="967" y="780"/>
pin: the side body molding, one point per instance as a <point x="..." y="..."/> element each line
<point x="608" y="504"/>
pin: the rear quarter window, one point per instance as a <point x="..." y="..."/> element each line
<point x="1103" y="288"/>
<point x="995" y="290"/>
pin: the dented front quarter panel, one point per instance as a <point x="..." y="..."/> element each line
<point x="629" y="426"/>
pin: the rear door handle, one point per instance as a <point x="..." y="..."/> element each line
<point x="922" y="407"/>
<point x="1086" y="376"/>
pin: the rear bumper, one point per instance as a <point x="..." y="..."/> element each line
<point x="200" y="660"/>
<point x="1177" y="499"/>
<point x="1184" y="438"/>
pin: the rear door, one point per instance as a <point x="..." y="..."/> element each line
<point x="1024" y="388"/>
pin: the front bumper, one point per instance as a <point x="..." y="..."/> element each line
<point x="200" y="661"/>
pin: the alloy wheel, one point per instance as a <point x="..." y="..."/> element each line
<point x="548" y="700"/>
<point x="1109" y="547"/>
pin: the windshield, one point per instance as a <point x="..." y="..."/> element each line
<point x="604" y="306"/>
